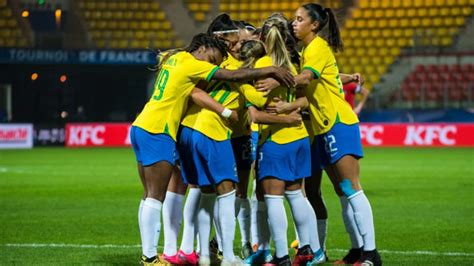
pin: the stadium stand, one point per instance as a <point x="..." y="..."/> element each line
<point x="199" y="9"/>
<point x="257" y="11"/>
<point x="11" y="34"/>
<point x="377" y="31"/>
<point x="438" y="85"/>
<point x="128" y="24"/>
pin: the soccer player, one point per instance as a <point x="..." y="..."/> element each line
<point x="283" y="154"/>
<point x="350" y="91"/>
<point x="153" y="133"/>
<point x="337" y="145"/>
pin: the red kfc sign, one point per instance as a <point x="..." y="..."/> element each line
<point x="416" y="134"/>
<point x="97" y="134"/>
<point x="419" y="134"/>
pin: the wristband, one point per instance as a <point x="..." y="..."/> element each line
<point x="226" y="113"/>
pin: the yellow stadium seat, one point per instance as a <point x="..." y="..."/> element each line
<point x="360" y="23"/>
<point x="382" y="23"/>
<point x="367" y="13"/>
<point x="90" y="5"/>
<point x="433" y="12"/>
<point x="101" y="24"/>
<point x="112" y="5"/>
<point x="446" y="41"/>
<point x="411" y="13"/>
<point x="200" y="16"/>
<point x="145" y="25"/>
<point x="459" y="21"/>
<point x="371" y="23"/>
<point x="350" y="24"/>
<point x="357" y="13"/>
<point x="444" y="11"/>
<point x="426" y="22"/>
<point x="421" y="12"/>
<point x="101" y="5"/>
<point x="415" y="22"/>
<point x="467" y="10"/>
<point x="374" y="4"/>
<point x="378" y="13"/>
<point x="400" y="13"/>
<point x="161" y="15"/>
<point x="404" y="22"/>
<point x="389" y="12"/>
<point x="364" y="3"/>
<point x="100" y="43"/>
<point x="393" y="23"/>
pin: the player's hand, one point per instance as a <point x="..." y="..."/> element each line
<point x="280" y="105"/>
<point x="357" y="77"/>
<point x="266" y="85"/>
<point x="234" y="117"/>
<point x="294" y="118"/>
<point x="284" y="76"/>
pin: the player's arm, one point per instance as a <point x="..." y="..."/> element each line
<point x="260" y="117"/>
<point x="268" y="84"/>
<point x="282" y="75"/>
<point x="281" y="106"/>
<point x="201" y="98"/>
<point x="364" y="96"/>
<point x="348" y="78"/>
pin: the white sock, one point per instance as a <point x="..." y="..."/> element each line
<point x="140" y="209"/>
<point x="350" y="224"/>
<point x="151" y="225"/>
<point x="301" y="216"/>
<point x="244" y="219"/>
<point x="313" y="238"/>
<point x="322" y="232"/>
<point x="189" y="220"/>
<point x="204" y="219"/>
<point x="363" y="218"/>
<point x="277" y="223"/>
<point x="226" y="205"/>
<point x="253" y="218"/>
<point x="217" y="226"/>
<point x="262" y="226"/>
<point x="172" y="217"/>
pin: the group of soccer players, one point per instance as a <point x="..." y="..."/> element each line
<point x="248" y="87"/>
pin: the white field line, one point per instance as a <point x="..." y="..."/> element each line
<point x="412" y="252"/>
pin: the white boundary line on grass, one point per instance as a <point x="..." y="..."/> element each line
<point x="414" y="252"/>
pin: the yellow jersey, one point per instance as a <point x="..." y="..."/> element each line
<point x="327" y="105"/>
<point x="227" y="94"/>
<point x="176" y="79"/>
<point x="277" y="133"/>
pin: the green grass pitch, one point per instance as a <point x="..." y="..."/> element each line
<point x="86" y="200"/>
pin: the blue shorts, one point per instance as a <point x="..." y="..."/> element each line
<point x="152" y="148"/>
<point x="287" y="162"/>
<point x="204" y="161"/>
<point x="331" y="146"/>
<point x="242" y="152"/>
<point x="253" y="145"/>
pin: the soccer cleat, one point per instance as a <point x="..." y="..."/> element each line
<point x="246" y="251"/>
<point x="303" y="255"/>
<point x="318" y="258"/>
<point x="283" y="261"/>
<point x="369" y="258"/>
<point x="294" y="245"/>
<point x="260" y="257"/>
<point x="170" y="259"/>
<point x="153" y="261"/>
<point x="351" y="257"/>
<point x="186" y="259"/>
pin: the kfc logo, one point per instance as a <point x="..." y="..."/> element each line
<point x="83" y="135"/>
<point x="428" y="134"/>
